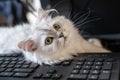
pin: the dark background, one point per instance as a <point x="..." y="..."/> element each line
<point x="107" y="29"/>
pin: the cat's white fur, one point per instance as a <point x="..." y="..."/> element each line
<point x="61" y="48"/>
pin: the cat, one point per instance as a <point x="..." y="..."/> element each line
<point x="50" y="40"/>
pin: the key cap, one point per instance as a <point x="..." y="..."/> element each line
<point x="77" y="67"/>
<point x="9" y="70"/>
<point x="2" y="69"/>
<point x="93" y="77"/>
<point x="88" y="63"/>
<point x="110" y="60"/>
<point x="66" y="63"/>
<point x="75" y="71"/>
<point x="86" y="67"/>
<point x="98" y="63"/>
<point x="51" y="71"/>
<point x="13" y="62"/>
<point x="79" y="63"/>
<point x="96" y="67"/>
<point x="25" y="66"/>
<point x="81" y="60"/>
<point x="56" y="76"/>
<point x="10" y="66"/>
<point x="17" y="66"/>
<point x="99" y="60"/>
<point x="47" y="76"/>
<point x="107" y="66"/>
<point x="37" y="76"/>
<point x="33" y="65"/>
<point x="90" y="60"/>
<point x="1" y="59"/>
<point x="3" y="65"/>
<point x="77" y="77"/>
<point x="105" y="75"/>
<point x="23" y="70"/>
<point x="6" y="74"/>
<point x="84" y="71"/>
<point x="21" y="75"/>
<point x="96" y="72"/>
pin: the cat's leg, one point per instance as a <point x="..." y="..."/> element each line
<point x="58" y="57"/>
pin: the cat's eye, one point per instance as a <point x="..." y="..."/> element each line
<point x="48" y="40"/>
<point x="56" y="26"/>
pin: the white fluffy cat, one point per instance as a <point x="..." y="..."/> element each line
<point x="48" y="41"/>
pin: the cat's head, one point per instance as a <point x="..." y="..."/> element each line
<point x="50" y="35"/>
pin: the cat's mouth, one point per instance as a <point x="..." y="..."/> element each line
<point x="62" y="36"/>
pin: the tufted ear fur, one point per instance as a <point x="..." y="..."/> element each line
<point x="42" y="14"/>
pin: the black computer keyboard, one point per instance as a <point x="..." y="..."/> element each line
<point x="83" y="67"/>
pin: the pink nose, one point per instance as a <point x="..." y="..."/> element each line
<point x="28" y="45"/>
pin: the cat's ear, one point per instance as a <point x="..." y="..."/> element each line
<point x="42" y="14"/>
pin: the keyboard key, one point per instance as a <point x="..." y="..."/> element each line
<point x="88" y="63"/>
<point x="47" y="76"/>
<point x="37" y="76"/>
<point x="86" y="67"/>
<point x="27" y="63"/>
<point x="10" y="65"/>
<point x="96" y="72"/>
<point x="84" y="71"/>
<point x="51" y="71"/>
<point x="98" y="63"/>
<point x="66" y="63"/>
<point x="6" y="74"/>
<point x="79" y="63"/>
<point x="90" y="60"/>
<point x="3" y="65"/>
<point x="58" y="64"/>
<point x="110" y="60"/>
<point x="81" y="60"/>
<point x="105" y="75"/>
<point x="1" y="62"/>
<point x="107" y="66"/>
<point x="24" y="66"/>
<point x="14" y="59"/>
<point x="2" y="69"/>
<point x="93" y="77"/>
<point x="9" y="70"/>
<point x="17" y="66"/>
<point x="96" y="67"/>
<point x="6" y="62"/>
<point x="1" y="59"/>
<point x="75" y="71"/>
<point x="23" y="70"/>
<point x="20" y="62"/>
<point x="21" y="75"/>
<point x="99" y="60"/>
<point x="13" y="62"/>
<point x="56" y="76"/>
<point x="77" y="77"/>
<point x="33" y="65"/>
<point x="77" y="67"/>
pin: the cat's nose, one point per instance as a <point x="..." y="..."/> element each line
<point x="61" y="35"/>
<point x="28" y="45"/>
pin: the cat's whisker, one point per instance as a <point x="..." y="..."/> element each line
<point x="90" y="18"/>
<point x="58" y="3"/>
<point x="81" y="21"/>
<point x="69" y="16"/>
<point x="74" y="17"/>
<point x="88" y="21"/>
